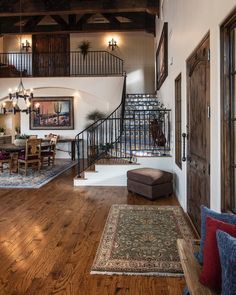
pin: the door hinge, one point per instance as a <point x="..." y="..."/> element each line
<point x="208" y="54"/>
<point x="208" y="112"/>
<point x="209" y="169"/>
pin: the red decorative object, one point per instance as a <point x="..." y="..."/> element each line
<point x="211" y="272"/>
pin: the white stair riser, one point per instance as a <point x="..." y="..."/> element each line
<point x="115" y="175"/>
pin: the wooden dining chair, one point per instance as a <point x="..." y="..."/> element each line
<point x="5" y="158"/>
<point x="31" y="156"/>
<point x="48" y="156"/>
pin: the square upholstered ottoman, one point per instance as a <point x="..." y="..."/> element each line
<point x="150" y="183"/>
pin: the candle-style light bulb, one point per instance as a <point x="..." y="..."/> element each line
<point x="37" y="105"/>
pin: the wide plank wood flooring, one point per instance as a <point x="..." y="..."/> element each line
<point x="49" y="237"/>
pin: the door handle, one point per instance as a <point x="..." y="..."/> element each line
<point x="184" y="135"/>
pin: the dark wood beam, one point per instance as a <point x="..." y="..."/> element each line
<point x="61" y="22"/>
<point x="112" y="19"/>
<point x="56" y="4"/>
<point x="8" y="24"/>
<point x="83" y="20"/>
<point x="72" y="19"/>
<point x="85" y="27"/>
<point x="7" y="6"/>
<point x="32" y="22"/>
<point x="36" y="7"/>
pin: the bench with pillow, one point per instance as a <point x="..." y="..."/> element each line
<point x="211" y="269"/>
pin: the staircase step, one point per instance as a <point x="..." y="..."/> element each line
<point x="113" y="161"/>
<point x="141" y="95"/>
<point x="112" y="175"/>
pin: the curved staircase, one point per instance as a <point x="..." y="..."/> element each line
<point x="124" y="140"/>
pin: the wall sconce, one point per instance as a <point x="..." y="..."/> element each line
<point x="25" y="46"/>
<point x="112" y="44"/>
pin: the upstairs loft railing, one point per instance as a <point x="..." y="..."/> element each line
<point x="74" y="63"/>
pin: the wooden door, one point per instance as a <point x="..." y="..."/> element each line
<point x="51" y="55"/>
<point x="198" y="129"/>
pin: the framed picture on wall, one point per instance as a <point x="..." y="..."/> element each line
<point x="54" y="113"/>
<point x="162" y="57"/>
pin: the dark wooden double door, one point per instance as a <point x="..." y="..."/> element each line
<point x="51" y="55"/>
<point x="198" y="131"/>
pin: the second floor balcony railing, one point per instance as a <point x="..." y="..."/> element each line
<point x="74" y="63"/>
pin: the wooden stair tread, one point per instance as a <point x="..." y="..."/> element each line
<point x="191" y="268"/>
<point x="114" y="161"/>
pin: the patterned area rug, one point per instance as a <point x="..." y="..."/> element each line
<point x="35" y="179"/>
<point x="141" y="240"/>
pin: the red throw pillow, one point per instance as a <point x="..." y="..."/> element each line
<point x="211" y="271"/>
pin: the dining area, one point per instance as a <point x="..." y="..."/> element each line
<point x="31" y="153"/>
<point x="33" y="160"/>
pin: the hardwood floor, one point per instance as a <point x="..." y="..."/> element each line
<point x="49" y="237"/>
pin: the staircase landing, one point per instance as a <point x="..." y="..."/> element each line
<point x="114" y="174"/>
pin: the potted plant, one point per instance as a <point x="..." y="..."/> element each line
<point x="2" y="131"/>
<point x="92" y="118"/>
<point x="21" y="139"/>
<point x="105" y="148"/>
<point x="84" y="48"/>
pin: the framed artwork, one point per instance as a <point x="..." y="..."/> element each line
<point x="54" y="113"/>
<point x="162" y="57"/>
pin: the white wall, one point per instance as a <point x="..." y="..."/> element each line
<point x="97" y="93"/>
<point x="12" y="42"/>
<point x="189" y="21"/>
<point x="135" y="48"/>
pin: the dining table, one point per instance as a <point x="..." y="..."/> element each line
<point x="14" y="151"/>
<point x="12" y="148"/>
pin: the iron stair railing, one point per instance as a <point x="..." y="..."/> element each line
<point x="129" y="131"/>
<point x="95" y="141"/>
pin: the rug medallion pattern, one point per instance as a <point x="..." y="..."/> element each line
<point x="142" y="240"/>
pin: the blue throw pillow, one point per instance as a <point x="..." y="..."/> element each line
<point x="225" y="217"/>
<point x="227" y="250"/>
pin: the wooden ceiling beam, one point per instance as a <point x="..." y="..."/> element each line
<point x="83" y="20"/>
<point x="35" y="7"/>
<point x="86" y="27"/>
<point x="72" y="19"/>
<point x="9" y="24"/>
<point x="112" y="19"/>
<point x="56" y="4"/>
<point x="33" y="22"/>
<point x="61" y="22"/>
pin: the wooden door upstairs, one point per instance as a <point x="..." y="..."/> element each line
<point x="51" y="55"/>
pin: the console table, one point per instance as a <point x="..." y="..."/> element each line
<point x="63" y="140"/>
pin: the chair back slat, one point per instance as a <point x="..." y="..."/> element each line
<point x="33" y="148"/>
